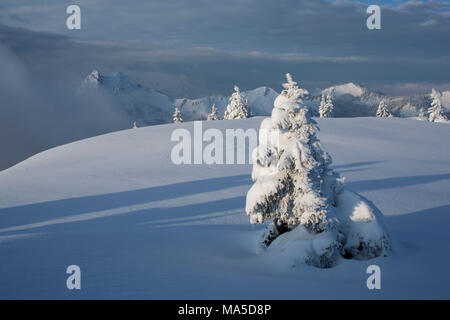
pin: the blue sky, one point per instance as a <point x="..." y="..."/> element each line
<point x="198" y="47"/>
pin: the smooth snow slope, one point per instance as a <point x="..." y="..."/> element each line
<point x="140" y="227"/>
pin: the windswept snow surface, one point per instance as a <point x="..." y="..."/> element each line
<point x="141" y="227"/>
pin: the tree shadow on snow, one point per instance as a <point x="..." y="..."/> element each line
<point x="354" y="165"/>
<point x="388" y="183"/>
<point x="114" y="204"/>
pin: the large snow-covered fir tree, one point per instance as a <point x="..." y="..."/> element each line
<point x="382" y="110"/>
<point x="326" y="107"/>
<point x="177" y="116"/>
<point x="299" y="162"/>
<point x="302" y="197"/>
<point x="435" y="112"/>
<point x="238" y="107"/>
<point x="213" y="114"/>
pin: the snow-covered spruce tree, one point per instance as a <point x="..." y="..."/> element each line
<point x="435" y="112"/>
<point x="322" y="106"/>
<point x="237" y="108"/>
<point x="177" y="116"/>
<point x="213" y="114"/>
<point x="312" y="216"/>
<point x="383" y="111"/>
<point x="326" y="107"/>
<point x="330" y="106"/>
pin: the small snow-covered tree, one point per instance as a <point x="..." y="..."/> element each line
<point x="296" y="190"/>
<point x="238" y="107"/>
<point x="177" y="116"/>
<point x="213" y="114"/>
<point x="422" y="113"/>
<point x="326" y="107"/>
<point x="382" y="110"/>
<point x="322" y="106"/>
<point x="435" y="112"/>
<point x="330" y="106"/>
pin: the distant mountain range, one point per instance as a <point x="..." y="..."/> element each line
<point x="353" y="100"/>
<point x="147" y="106"/>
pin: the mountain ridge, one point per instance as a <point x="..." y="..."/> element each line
<point x="147" y="106"/>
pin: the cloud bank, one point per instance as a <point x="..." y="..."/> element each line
<point x="197" y="47"/>
<point x="36" y="115"/>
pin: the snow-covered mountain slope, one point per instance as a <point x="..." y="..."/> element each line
<point x="353" y="100"/>
<point x="143" y="105"/>
<point x="140" y="226"/>
<point x="148" y="106"/>
<point x="446" y="100"/>
<point x="260" y="101"/>
<point x="350" y="100"/>
<point x="347" y="88"/>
